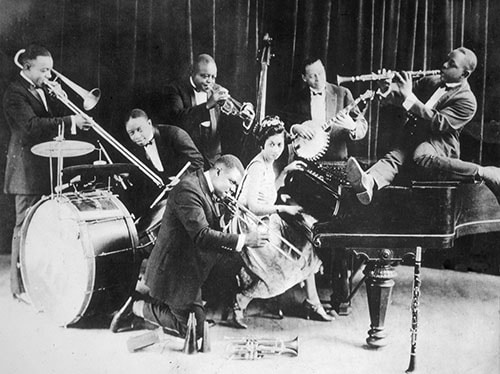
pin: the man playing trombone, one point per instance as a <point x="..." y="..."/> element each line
<point x="195" y="106"/>
<point x="33" y="117"/>
<point x="190" y="245"/>
<point x="438" y="107"/>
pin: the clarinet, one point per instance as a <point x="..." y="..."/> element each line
<point x="414" y="309"/>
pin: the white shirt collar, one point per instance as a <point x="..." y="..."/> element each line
<point x="27" y="79"/>
<point x="209" y="182"/>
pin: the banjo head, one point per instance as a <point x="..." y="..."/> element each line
<point x="312" y="149"/>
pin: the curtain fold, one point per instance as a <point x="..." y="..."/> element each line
<point x="131" y="48"/>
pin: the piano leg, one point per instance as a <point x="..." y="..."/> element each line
<point x="340" y="297"/>
<point x="379" y="284"/>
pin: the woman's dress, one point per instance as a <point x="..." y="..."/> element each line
<point x="268" y="272"/>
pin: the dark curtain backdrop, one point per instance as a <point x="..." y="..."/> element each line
<point x="131" y="48"/>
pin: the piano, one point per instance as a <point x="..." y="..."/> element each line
<point x="429" y="215"/>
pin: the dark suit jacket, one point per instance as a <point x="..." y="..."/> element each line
<point x="189" y="244"/>
<point x="175" y="148"/>
<point x="180" y="110"/>
<point x="30" y="123"/>
<point x="442" y="125"/>
<point x="298" y="110"/>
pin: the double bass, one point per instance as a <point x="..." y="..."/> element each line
<point x="250" y="147"/>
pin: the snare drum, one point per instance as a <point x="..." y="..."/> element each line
<point x="78" y="255"/>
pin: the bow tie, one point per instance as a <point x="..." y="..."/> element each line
<point x="150" y="142"/>
<point x="313" y="93"/>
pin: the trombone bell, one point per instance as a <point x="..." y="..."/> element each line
<point x="90" y="98"/>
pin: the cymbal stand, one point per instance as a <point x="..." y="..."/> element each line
<point x="106" y="155"/>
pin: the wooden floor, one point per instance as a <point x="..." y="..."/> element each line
<point x="459" y="333"/>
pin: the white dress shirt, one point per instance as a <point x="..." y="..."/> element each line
<point x="153" y="155"/>
<point x="200" y="97"/>
<point x="318" y="106"/>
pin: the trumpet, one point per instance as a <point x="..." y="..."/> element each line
<point x="386" y="75"/>
<point x="232" y="107"/>
<point x="253" y="349"/>
<point x="91" y="97"/>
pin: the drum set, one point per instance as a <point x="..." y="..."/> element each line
<point x="80" y="250"/>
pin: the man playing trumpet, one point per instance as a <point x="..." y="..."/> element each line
<point x="194" y="105"/>
<point x="33" y="117"/>
<point x="438" y="107"/>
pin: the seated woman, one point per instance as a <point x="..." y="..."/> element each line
<point x="274" y="268"/>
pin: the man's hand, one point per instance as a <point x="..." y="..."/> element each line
<point x="257" y="238"/>
<point x="174" y="181"/>
<point x="345" y="121"/>
<point x="218" y="95"/>
<point x="291" y="209"/>
<point x="403" y="84"/>
<point x="303" y="130"/>
<point x="247" y="112"/>
<point x="82" y="122"/>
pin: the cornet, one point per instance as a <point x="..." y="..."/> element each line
<point x="254" y="349"/>
<point x="386" y="75"/>
<point x="90" y="98"/>
<point x="232" y="107"/>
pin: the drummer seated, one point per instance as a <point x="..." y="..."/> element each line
<point x="164" y="149"/>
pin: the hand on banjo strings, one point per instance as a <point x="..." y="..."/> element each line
<point x="304" y="130"/>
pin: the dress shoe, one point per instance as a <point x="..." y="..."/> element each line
<point x="235" y="316"/>
<point x="124" y="319"/>
<point x="361" y="182"/>
<point x="315" y="312"/>
<point x="491" y="177"/>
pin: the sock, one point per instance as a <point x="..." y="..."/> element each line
<point x="138" y="307"/>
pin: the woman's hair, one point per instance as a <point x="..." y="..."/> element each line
<point x="270" y="125"/>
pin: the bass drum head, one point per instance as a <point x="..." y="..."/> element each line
<point x="58" y="254"/>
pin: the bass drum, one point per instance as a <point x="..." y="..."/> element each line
<point x="78" y="255"/>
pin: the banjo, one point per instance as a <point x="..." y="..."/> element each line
<point x="315" y="148"/>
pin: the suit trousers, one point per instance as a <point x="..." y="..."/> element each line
<point x="429" y="163"/>
<point x="22" y="205"/>
<point x="174" y="320"/>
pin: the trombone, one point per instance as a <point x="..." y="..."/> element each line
<point x="383" y="76"/>
<point x="230" y="200"/>
<point x="90" y="100"/>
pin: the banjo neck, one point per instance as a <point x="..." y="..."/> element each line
<point x="368" y="94"/>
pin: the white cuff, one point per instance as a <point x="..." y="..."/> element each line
<point x="205" y="124"/>
<point x="73" y="125"/>
<point x="410" y="100"/>
<point x="241" y="242"/>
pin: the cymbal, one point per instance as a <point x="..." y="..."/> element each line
<point x="67" y="148"/>
<point x="105" y="170"/>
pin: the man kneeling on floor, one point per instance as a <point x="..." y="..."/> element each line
<point x="190" y="244"/>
